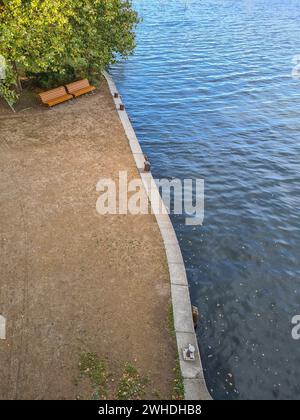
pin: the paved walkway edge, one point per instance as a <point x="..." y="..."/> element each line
<point x="192" y="372"/>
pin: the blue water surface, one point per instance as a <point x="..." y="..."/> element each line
<point x="210" y="94"/>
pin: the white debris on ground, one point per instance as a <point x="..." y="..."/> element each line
<point x="2" y="328"/>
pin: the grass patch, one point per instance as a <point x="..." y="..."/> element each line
<point x="170" y="320"/>
<point x="132" y="385"/>
<point x="156" y="394"/>
<point x="94" y="369"/>
<point x="178" y="386"/>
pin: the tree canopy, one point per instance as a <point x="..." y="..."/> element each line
<point x="62" y="38"/>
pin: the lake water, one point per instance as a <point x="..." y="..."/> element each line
<point x="210" y="94"/>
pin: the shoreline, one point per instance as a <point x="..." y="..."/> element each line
<point x="192" y="372"/>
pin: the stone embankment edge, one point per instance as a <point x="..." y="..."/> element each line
<point x="192" y="372"/>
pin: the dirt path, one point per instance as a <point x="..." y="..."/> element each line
<point x="72" y="281"/>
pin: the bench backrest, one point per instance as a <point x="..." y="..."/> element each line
<point x="80" y="84"/>
<point x="53" y="94"/>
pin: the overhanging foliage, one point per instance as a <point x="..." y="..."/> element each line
<point x="63" y="37"/>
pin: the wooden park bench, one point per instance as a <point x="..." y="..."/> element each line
<point x="80" y="88"/>
<point x="55" y="96"/>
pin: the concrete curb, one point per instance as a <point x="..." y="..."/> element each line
<point x="192" y="372"/>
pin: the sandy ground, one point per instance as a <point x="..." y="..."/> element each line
<point x="73" y="281"/>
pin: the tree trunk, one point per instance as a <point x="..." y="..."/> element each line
<point x="19" y="85"/>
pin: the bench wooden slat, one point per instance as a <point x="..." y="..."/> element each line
<point x="84" y="90"/>
<point x="53" y="93"/>
<point x="80" y="87"/>
<point x="59" y="100"/>
<point x="55" y="96"/>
